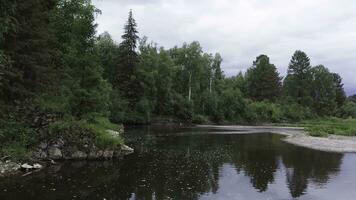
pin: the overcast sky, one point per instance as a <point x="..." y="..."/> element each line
<point x="240" y="30"/>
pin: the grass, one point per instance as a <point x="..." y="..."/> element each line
<point x="96" y="129"/>
<point x="323" y="127"/>
<point x="105" y="139"/>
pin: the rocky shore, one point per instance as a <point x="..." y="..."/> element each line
<point x="53" y="150"/>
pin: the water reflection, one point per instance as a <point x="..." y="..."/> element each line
<point x="186" y="165"/>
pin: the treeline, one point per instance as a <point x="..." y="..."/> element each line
<point x="151" y="82"/>
<point x="56" y="74"/>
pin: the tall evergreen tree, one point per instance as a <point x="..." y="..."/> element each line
<point x="127" y="80"/>
<point x="340" y="92"/>
<point x="298" y="82"/>
<point x="323" y="91"/>
<point x="263" y="80"/>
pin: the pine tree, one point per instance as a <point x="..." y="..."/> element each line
<point x="323" y="91"/>
<point x="263" y="81"/>
<point x="298" y="82"/>
<point x="340" y="92"/>
<point x="127" y="80"/>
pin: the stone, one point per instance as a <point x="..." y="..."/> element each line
<point x="37" y="166"/>
<point x="108" y="154"/>
<point x="95" y="154"/>
<point x="26" y="166"/>
<point x="79" y="155"/>
<point x="126" y="149"/>
<point x="43" y="145"/>
<point x="54" y="153"/>
<point x="40" y="154"/>
<point x="59" y="143"/>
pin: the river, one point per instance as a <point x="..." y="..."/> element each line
<point x="196" y="163"/>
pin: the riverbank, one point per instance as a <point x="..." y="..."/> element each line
<point x="65" y="147"/>
<point x="296" y="136"/>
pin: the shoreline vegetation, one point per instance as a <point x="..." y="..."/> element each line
<point x="62" y="81"/>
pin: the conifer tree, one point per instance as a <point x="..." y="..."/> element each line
<point x="298" y="82"/>
<point x="340" y="92"/>
<point x="127" y="80"/>
<point x="263" y="80"/>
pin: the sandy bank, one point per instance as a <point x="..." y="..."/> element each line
<point x="296" y="136"/>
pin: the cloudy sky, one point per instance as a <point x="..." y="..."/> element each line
<point x="240" y="30"/>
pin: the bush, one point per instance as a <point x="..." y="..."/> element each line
<point x="15" y="138"/>
<point x="332" y="125"/>
<point x="200" y="119"/>
<point x="183" y="108"/>
<point x="293" y="112"/>
<point x="347" y="110"/>
<point x="258" y="112"/>
<point x="79" y="133"/>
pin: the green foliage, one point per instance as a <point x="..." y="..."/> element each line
<point x="78" y="133"/>
<point x="331" y="125"/>
<point x="323" y="91"/>
<point x="16" y="137"/>
<point x="297" y="84"/>
<point x="263" y="111"/>
<point x="339" y="90"/>
<point x="126" y="77"/>
<point x="262" y="80"/>
<point x="347" y="110"/>
<point x="293" y="112"/>
<point x="200" y="119"/>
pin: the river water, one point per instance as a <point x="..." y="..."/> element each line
<point x="196" y="163"/>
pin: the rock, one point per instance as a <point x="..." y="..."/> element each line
<point x="95" y="154"/>
<point x="126" y="149"/>
<point x="79" y="155"/>
<point x="55" y="153"/>
<point x="108" y="154"/>
<point x="26" y="166"/>
<point x="37" y="166"/>
<point x="8" y="167"/>
<point x="43" y="145"/>
<point x="40" y="154"/>
<point x="59" y="143"/>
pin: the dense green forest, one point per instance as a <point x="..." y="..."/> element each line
<point x="58" y="76"/>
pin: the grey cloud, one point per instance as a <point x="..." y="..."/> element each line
<point x="242" y="29"/>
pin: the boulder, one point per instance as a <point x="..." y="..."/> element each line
<point x="40" y="154"/>
<point x="54" y="153"/>
<point x="107" y="154"/>
<point x="79" y="155"/>
<point x="26" y="166"/>
<point x="43" y="145"/>
<point x="37" y="166"/>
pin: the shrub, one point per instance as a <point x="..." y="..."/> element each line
<point x="293" y="112"/>
<point x="79" y="133"/>
<point x="200" y="119"/>
<point x="347" y="110"/>
<point x="264" y="111"/>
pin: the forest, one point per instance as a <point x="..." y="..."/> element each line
<point x="59" y="76"/>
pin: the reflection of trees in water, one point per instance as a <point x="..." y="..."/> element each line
<point x="257" y="156"/>
<point x="257" y="159"/>
<point x="304" y="165"/>
<point x="185" y="168"/>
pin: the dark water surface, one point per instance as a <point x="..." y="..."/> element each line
<point x="190" y="164"/>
